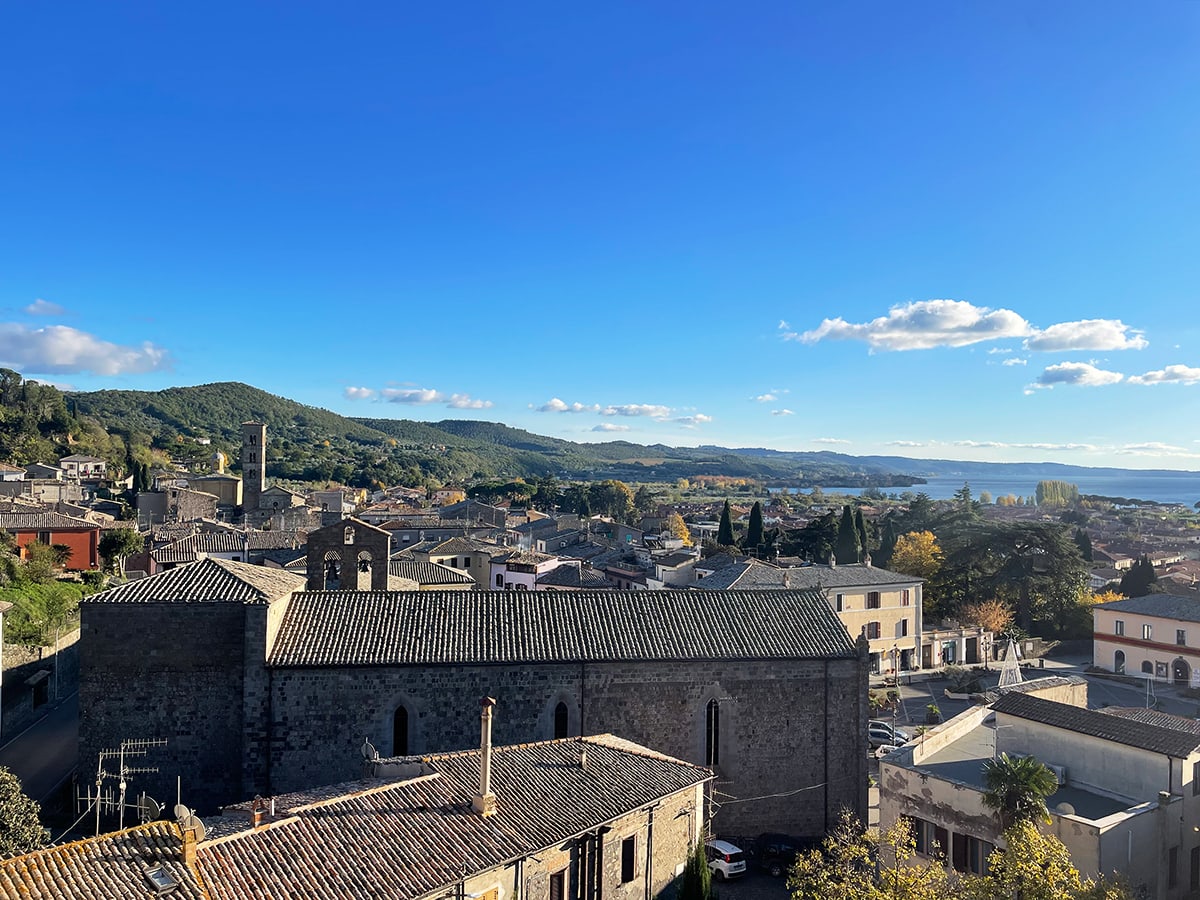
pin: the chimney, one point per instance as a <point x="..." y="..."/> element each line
<point x="484" y="802"/>
<point x="189" y="846"/>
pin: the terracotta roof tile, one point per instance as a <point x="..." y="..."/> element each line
<point x="209" y="580"/>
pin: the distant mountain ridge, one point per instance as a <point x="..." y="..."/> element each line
<point x="309" y="443"/>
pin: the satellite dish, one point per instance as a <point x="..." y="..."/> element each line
<point x="368" y="751"/>
<point x="149" y="809"/>
<point x="195" y="823"/>
<point x="1065" y="808"/>
<point x="181" y="813"/>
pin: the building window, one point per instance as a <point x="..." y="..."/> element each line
<point x="940" y="842"/>
<point x="905" y="597"/>
<point x="1147" y="668"/>
<point x="1160" y="670"/>
<point x="558" y="885"/>
<point x="560" y="720"/>
<point x="400" y="732"/>
<point x="628" y="859"/>
<point x="1196" y="779"/>
<point x="872" y="631"/>
<point x="712" y="733"/>
<point x="1147" y="632"/>
<point x="1180" y="637"/>
<point x="44" y="538"/>
<point x="1119" y="662"/>
<point x="1194" y="877"/>
<point x="873" y="600"/>
<point x="904" y="628"/>
<point x="1119" y="627"/>
<point x="1173" y="867"/>
<point x="500" y="580"/>
<point x="838" y="603"/>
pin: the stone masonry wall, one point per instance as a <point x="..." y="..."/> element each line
<point x="793" y="746"/>
<point x="166" y="670"/>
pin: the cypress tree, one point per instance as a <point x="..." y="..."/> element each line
<point x="725" y="529"/>
<point x="1084" y="542"/>
<point x="754" y="533"/>
<point x="861" y="527"/>
<point x="848" y="546"/>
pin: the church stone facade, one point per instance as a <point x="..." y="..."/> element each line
<point x="261" y="686"/>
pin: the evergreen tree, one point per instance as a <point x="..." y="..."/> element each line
<point x="848" y="546"/>
<point x="696" y="881"/>
<point x="725" y="529"/>
<point x="887" y="543"/>
<point x="861" y="527"/>
<point x="1084" y="542"/>
<point x="754" y="533"/>
<point x="20" y="830"/>
<point x="1140" y="580"/>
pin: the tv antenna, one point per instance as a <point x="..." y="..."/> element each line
<point x="137" y="747"/>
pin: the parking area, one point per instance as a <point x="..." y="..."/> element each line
<point x="754" y="885"/>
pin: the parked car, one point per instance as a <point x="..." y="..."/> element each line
<point x="725" y="861"/>
<point x="776" y="852"/>
<point x="880" y="732"/>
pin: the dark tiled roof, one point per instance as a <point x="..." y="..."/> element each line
<point x="461" y="545"/>
<point x="451" y="627"/>
<point x="1164" y="606"/>
<point x="189" y="548"/>
<point x="575" y="577"/>
<point x="41" y="521"/>
<point x="209" y="580"/>
<point x="427" y="572"/>
<point x="1096" y="724"/>
<point x="1154" y="717"/>
<point x="419" y="837"/>
<point x="745" y="575"/>
<point x="110" y="867"/>
<point x="856" y="575"/>
<point x="672" y="560"/>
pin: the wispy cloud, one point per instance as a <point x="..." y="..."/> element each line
<point x="555" y="405"/>
<point x="59" y="349"/>
<point x="1087" y="334"/>
<point x="425" y="396"/>
<point x="1170" y="375"/>
<point x="1076" y="373"/>
<point x="765" y="398"/>
<point x="1155" y="448"/>
<point x="906" y="443"/>
<point x="922" y="325"/>
<point x="926" y="324"/>
<point x="1005" y="445"/>
<point x="1015" y="361"/>
<point x="40" y="307"/>
<point x="782" y="412"/>
<point x="829" y="440"/>
<point x="693" y="420"/>
<point x="358" y="393"/>
<point x="637" y="409"/>
<point x="610" y="426"/>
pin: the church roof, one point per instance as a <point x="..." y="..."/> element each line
<point x="373" y="628"/>
<point x="420" y="837"/>
<point x="427" y="572"/>
<point x="209" y="580"/>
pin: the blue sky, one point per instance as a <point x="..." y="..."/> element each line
<point x="935" y="230"/>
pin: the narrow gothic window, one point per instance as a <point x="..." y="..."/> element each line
<point x="560" y="720"/>
<point x="400" y="732"/>
<point x="712" y="733"/>
<point x="348" y="535"/>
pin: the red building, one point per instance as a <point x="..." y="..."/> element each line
<point x="82" y="536"/>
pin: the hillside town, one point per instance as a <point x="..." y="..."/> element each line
<point x="540" y="698"/>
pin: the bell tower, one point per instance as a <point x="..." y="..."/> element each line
<point x="254" y="463"/>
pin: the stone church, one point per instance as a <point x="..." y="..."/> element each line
<point x="263" y="681"/>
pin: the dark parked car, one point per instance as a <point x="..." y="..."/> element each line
<point x="776" y="852"/>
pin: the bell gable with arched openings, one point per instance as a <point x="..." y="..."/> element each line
<point x="361" y="550"/>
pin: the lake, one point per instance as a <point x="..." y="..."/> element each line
<point x="1183" y="487"/>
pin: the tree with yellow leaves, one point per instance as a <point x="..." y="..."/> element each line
<point x="677" y="528"/>
<point x="917" y="553"/>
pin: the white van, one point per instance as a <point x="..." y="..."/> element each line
<point x="725" y="860"/>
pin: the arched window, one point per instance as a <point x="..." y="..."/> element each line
<point x="400" y="732"/>
<point x="1119" y="662"/>
<point x="1148" y="668"/>
<point x="560" y="720"/>
<point x="712" y="733"/>
<point x="348" y="535"/>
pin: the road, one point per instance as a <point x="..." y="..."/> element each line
<point x="45" y="753"/>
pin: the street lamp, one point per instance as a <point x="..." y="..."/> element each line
<point x="987" y="651"/>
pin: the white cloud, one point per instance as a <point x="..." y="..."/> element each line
<point x="1015" y="361"/>
<point x="784" y="326"/>
<point x="828" y="440"/>
<point x="412" y="396"/>
<point x="782" y="412"/>
<point x="610" y="426"/>
<point x="1155" y="448"/>
<point x="637" y="409"/>
<point x="1004" y="445"/>
<point x="765" y="398"/>
<point x="693" y="421"/>
<point x="358" y="393"/>
<point x="1087" y="334"/>
<point x="58" y="349"/>
<point x="466" y="401"/>
<point x="61" y="385"/>
<point x="1077" y="373"/>
<point x="1170" y="375"/>
<point x="561" y="406"/>
<point x="906" y="443"/>
<point x="1000" y="350"/>
<point x="924" y="324"/>
<point x="40" y="307"/>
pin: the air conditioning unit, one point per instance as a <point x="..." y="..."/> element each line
<point x="1060" y="772"/>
